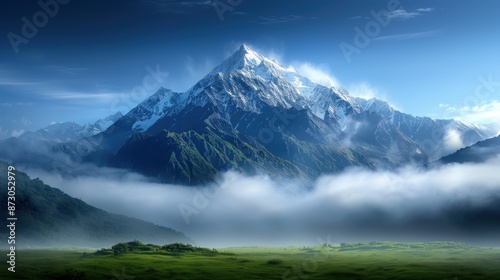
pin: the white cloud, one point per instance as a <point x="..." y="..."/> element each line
<point x="18" y="83"/>
<point x="452" y="140"/>
<point x="364" y="90"/>
<point x="6" y="133"/>
<point x="9" y="104"/>
<point x="274" y="54"/>
<point x="16" y="133"/>
<point x="318" y="74"/>
<point x="81" y="97"/>
<point x="403" y="14"/>
<point x="356" y="205"/>
<point x="425" y="9"/>
<point x="485" y="113"/>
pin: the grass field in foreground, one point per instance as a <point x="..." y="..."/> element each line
<point x="363" y="261"/>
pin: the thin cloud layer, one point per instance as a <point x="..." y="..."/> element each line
<point x="318" y="74"/>
<point x="485" y="112"/>
<point x="453" y="202"/>
<point x="364" y="90"/>
<point x="452" y="141"/>
<point x="408" y="36"/>
<point x="402" y="14"/>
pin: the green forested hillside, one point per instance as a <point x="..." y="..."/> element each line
<point x="49" y="217"/>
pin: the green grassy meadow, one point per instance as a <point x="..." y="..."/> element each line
<point x="359" y="261"/>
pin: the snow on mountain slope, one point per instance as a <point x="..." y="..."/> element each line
<point x="106" y="122"/>
<point x="61" y="132"/>
<point x="152" y="109"/>
<point x="249" y="82"/>
<point x="432" y="135"/>
<point x="245" y="80"/>
<point x="333" y="103"/>
<point x="247" y="60"/>
<point x="251" y="112"/>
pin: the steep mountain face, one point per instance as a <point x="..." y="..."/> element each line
<point x="479" y="152"/>
<point x="333" y="104"/>
<point x="49" y="217"/>
<point x="140" y="118"/>
<point x="288" y="125"/>
<point x="374" y="136"/>
<point x="430" y="134"/>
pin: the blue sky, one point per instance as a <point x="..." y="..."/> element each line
<point x="90" y="58"/>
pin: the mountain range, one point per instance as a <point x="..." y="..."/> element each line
<point x="429" y="133"/>
<point x="250" y="114"/>
<point x="70" y="131"/>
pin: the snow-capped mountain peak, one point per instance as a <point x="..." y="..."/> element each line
<point x="247" y="59"/>
<point x="243" y="58"/>
<point x="248" y="79"/>
<point x="252" y="64"/>
<point x="153" y="108"/>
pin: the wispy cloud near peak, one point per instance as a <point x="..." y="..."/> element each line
<point x="408" y="36"/>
